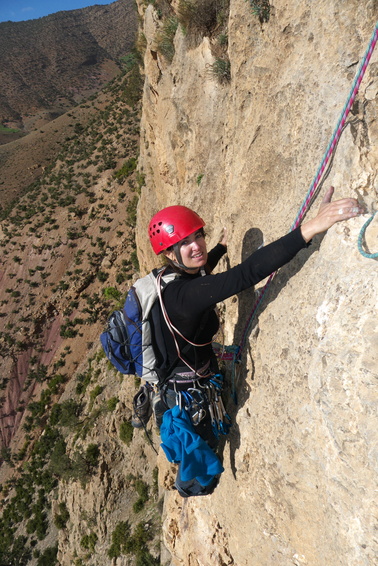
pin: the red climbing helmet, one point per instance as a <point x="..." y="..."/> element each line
<point x="171" y="225"/>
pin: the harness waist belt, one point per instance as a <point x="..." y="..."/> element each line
<point x="187" y="377"/>
<point x="183" y="385"/>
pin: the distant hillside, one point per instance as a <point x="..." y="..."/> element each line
<point x="49" y="64"/>
<point x="61" y="234"/>
<point x="68" y="256"/>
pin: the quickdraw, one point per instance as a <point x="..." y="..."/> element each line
<point x="205" y="400"/>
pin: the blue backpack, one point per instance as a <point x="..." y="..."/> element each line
<point x="128" y="340"/>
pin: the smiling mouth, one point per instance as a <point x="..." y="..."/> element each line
<point x="197" y="256"/>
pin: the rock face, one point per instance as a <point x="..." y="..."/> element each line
<point x="301" y="464"/>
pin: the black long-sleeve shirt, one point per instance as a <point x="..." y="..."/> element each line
<point x="190" y="299"/>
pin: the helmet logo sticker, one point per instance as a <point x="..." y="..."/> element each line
<point x="170" y="229"/>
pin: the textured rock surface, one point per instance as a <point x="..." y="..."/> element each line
<point x="301" y="476"/>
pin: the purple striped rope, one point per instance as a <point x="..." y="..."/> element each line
<point x="337" y="133"/>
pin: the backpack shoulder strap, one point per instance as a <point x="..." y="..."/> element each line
<point x="165" y="277"/>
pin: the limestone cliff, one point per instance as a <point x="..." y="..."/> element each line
<point x="300" y="482"/>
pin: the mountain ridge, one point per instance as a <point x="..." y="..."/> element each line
<point x="50" y="64"/>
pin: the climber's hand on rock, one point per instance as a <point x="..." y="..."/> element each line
<point x="329" y="213"/>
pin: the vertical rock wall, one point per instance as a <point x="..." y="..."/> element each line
<point x="300" y="483"/>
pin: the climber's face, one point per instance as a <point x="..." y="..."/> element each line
<point x="193" y="252"/>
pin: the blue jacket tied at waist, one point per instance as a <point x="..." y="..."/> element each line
<point x="182" y="444"/>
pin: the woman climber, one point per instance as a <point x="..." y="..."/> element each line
<point x="190" y="321"/>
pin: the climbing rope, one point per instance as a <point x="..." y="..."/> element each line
<point x="361" y="237"/>
<point x="312" y="192"/>
<point x="309" y="198"/>
<point x="316" y="185"/>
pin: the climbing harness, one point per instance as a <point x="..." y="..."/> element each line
<point x="233" y="353"/>
<point x="205" y="400"/>
<point x="361" y="237"/>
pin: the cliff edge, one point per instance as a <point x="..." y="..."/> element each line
<point x="240" y="142"/>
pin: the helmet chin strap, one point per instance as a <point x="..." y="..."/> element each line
<point x="179" y="263"/>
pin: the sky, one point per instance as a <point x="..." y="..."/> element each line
<point x="20" y="10"/>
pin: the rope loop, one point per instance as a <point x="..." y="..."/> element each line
<point x="361" y="238"/>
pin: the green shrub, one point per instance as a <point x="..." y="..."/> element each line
<point x="120" y="278"/>
<point x="102" y="276"/>
<point x="198" y="16"/>
<point x="88" y="542"/>
<point x="126" y="431"/>
<point x="65" y="414"/>
<point x="166" y="36"/>
<point x="145" y="558"/>
<point x="18" y="553"/>
<point x="261" y="9"/>
<point x="60" y="463"/>
<point x="83" y="380"/>
<point x="137" y="545"/>
<point x="55" y="383"/>
<point x="67" y="330"/>
<point x="6" y="454"/>
<point x="38" y="524"/>
<point x="92" y="455"/>
<point x="112" y="403"/>
<point x="126" y="170"/>
<point x="155" y="479"/>
<point x="48" y="557"/>
<point x="134" y="260"/>
<point x="120" y="536"/>
<point x="138" y="506"/>
<point x="111" y="293"/>
<point x="62" y="517"/>
<point x="96" y="392"/>
<point x="142" y="489"/>
<point x="80" y="467"/>
<point x="123" y="542"/>
<point x="221" y="70"/>
<point x="132" y="211"/>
